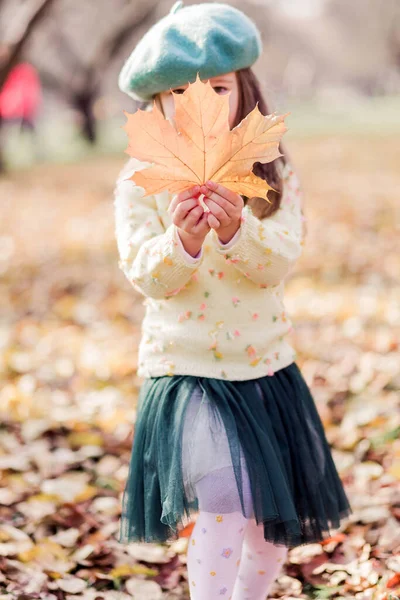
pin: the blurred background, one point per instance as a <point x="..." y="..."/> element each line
<point x="70" y="321"/>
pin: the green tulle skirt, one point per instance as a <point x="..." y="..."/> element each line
<point x="257" y="446"/>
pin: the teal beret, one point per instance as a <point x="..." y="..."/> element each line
<point x="210" y="39"/>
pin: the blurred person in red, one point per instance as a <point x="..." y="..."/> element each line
<point x="21" y="98"/>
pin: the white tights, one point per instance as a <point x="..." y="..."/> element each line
<point x="227" y="554"/>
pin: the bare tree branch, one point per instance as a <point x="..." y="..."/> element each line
<point x="111" y="46"/>
<point x="10" y="53"/>
<point x="90" y="74"/>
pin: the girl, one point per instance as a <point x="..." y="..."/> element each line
<point x="226" y="425"/>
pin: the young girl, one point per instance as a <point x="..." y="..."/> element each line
<point x="226" y="425"/>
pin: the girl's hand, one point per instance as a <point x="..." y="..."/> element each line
<point x="190" y="218"/>
<point x="225" y="209"/>
<point x="188" y="215"/>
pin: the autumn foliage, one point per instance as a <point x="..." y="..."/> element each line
<point x="200" y="145"/>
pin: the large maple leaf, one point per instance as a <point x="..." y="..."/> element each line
<point x="199" y="145"/>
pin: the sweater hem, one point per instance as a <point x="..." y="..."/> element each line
<point x="238" y="374"/>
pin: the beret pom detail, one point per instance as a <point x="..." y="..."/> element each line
<point x="210" y="39"/>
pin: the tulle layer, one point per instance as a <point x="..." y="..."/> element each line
<point x="267" y="431"/>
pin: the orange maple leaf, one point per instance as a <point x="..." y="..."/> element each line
<point x="199" y="145"/>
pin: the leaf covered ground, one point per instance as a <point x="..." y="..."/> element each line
<point x="69" y="329"/>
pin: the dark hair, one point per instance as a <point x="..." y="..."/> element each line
<point x="249" y="95"/>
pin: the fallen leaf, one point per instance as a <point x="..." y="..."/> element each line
<point x="145" y="590"/>
<point x="187" y="530"/>
<point x="394" y="581"/>
<point x="200" y="146"/>
<point x="148" y="552"/>
<point x="72" y="585"/>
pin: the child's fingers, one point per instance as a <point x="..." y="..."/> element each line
<point x="219" y="213"/>
<point x="202" y="225"/>
<point x="213" y="221"/>
<point x="191" y="218"/>
<point x="189" y="193"/>
<point x="232" y="210"/>
<point x="183" y="208"/>
<point x="221" y="190"/>
<point x="182" y="196"/>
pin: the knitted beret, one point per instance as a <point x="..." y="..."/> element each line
<point x="210" y="39"/>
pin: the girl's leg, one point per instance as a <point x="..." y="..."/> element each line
<point x="215" y="544"/>
<point x="213" y="555"/>
<point x="260" y="564"/>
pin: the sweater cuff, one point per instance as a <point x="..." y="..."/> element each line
<point x="237" y="243"/>
<point x="231" y="241"/>
<point x="191" y="259"/>
<point x="182" y="256"/>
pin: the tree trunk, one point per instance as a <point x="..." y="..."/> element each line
<point x="12" y="51"/>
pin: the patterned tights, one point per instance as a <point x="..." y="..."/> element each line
<point x="228" y="556"/>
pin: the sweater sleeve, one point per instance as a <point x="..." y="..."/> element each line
<point x="265" y="250"/>
<point x="150" y="256"/>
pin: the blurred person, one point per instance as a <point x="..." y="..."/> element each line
<point x="226" y="425"/>
<point x="20" y="96"/>
<point x="20" y="100"/>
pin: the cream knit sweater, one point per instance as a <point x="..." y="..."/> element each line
<point x="220" y="314"/>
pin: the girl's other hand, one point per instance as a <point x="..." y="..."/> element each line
<point x="225" y="209"/>
<point x="190" y="218"/>
<point x="188" y="215"/>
